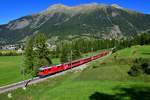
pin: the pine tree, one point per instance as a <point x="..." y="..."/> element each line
<point x="42" y="53"/>
<point x="64" y="52"/>
<point x="64" y="56"/>
<point x="28" y="56"/>
<point x="76" y="54"/>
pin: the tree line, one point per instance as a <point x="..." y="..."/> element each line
<point x="85" y="45"/>
<point x="37" y="53"/>
<point x="9" y="53"/>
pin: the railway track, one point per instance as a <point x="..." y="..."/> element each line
<point x="24" y="83"/>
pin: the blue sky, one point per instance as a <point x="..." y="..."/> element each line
<point x="13" y="9"/>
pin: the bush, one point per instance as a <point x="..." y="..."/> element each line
<point x="140" y="66"/>
<point x="114" y="50"/>
<point x="9" y="53"/>
<point x="95" y="66"/>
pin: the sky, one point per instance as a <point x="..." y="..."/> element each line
<point x="13" y="9"/>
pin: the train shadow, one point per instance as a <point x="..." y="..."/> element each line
<point x="132" y="93"/>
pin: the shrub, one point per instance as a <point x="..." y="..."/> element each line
<point x="95" y="66"/>
<point x="140" y="66"/>
<point x="9" y="53"/>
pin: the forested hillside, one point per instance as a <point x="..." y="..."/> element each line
<point x="64" y="22"/>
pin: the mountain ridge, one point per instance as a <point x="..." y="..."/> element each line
<point x="98" y="20"/>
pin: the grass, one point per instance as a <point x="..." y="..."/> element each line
<point x="66" y="87"/>
<point x="135" y="52"/>
<point x="116" y="70"/>
<point x="10" y="67"/>
<point x="105" y="79"/>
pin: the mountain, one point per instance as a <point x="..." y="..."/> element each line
<point x="62" y="22"/>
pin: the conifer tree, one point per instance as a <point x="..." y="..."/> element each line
<point x="65" y="50"/>
<point x="76" y="54"/>
<point x="28" y="56"/>
<point x="42" y="53"/>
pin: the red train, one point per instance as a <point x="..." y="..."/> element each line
<point x="44" y="71"/>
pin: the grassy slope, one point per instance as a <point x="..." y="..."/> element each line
<point x="105" y="79"/>
<point x="116" y="70"/>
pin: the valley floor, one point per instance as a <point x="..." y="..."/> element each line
<point x="105" y="79"/>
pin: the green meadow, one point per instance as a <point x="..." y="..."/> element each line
<point x="103" y="79"/>
<point x="10" y="68"/>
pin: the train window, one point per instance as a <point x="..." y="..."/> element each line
<point x="58" y="66"/>
<point x="75" y="62"/>
<point x="42" y="71"/>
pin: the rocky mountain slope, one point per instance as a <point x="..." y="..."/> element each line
<point x="62" y="22"/>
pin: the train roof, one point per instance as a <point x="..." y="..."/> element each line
<point x="47" y="67"/>
<point x="44" y="67"/>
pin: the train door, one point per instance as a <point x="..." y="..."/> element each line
<point x="46" y="71"/>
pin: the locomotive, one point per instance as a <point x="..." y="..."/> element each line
<point x="49" y="70"/>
